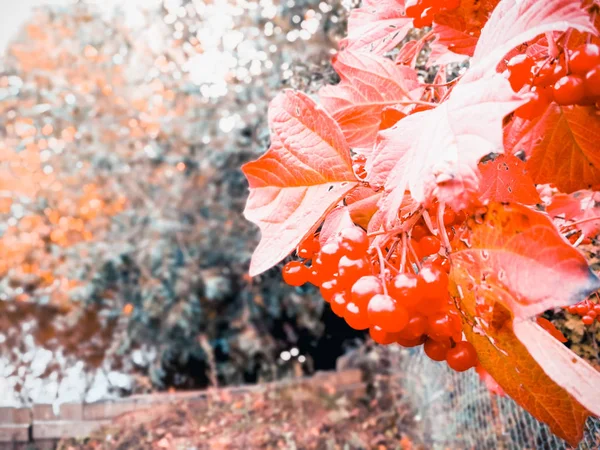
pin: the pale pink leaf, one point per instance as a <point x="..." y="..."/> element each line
<point x="338" y="219"/>
<point x="435" y="153"/>
<point x="370" y="83"/>
<point x="305" y="173"/>
<point x="377" y="26"/>
<point x="514" y="22"/>
<point x="564" y="367"/>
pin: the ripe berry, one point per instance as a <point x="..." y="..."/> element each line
<point x="584" y="59"/>
<point x="436" y="350"/>
<point x="582" y="308"/>
<point x="356" y="317"/>
<point x="592" y="82"/>
<point x="449" y="217"/>
<point x="364" y="289"/>
<point x="433" y="282"/>
<point x="569" y="90"/>
<point x="384" y="312"/>
<point x="404" y="289"/>
<point x="328" y="289"/>
<point x="330" y="254"/>
<point x="519" y="69"/>
<point x="440" y="326"/>
<point x="408" y="343"/>
<point x="308" y="247"/>
<point x="419" y="232"/>
<point x="587" y="320"/>
<point x="295" y="273"/>
<point x="462" y="357"/>
<point x="382" y="337"/>
<point x="536" y="105"/>
<point x="338" y="303"/>
<point x="429" y="245"/>
<point x="416" y="327"/>
<point x="354" y="242"/>
<point x="349" y="270"/>
<point x="549" y="74"/>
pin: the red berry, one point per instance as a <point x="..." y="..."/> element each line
<point x="433" y="282"/>
<point x="410" y="342"/>
<point x="356" y="316"/>
<point x="429" y="245"/>
<point x="364" y="289"/>
<point x="338" y="303"/>
<point x="308" y="247"/>
<point x="404" y="289"/>
<point x="442" y="263"/>
<point x="591" y="313"/>
<point x="436" y="350"/>
<point x="416" y="327"/>
<point x="569" y="90"/>
<point x="462" y="356"/>
<point x="330" y="254"/>
<point x="582" y="308"/>
<point x="592" y="82"/>
<point x="295" y="273"/>
<point x="596" y="309"/>
<point x="354" y="242"/>
<point x="519" y="68"/>
<point x="419" y="232"/>
<point x="550" y="74"/>
<point x="382" y="337"/>
<point x="328" y="289"/>
<point x="584" y="59"/>
<point x="587" y="320"/>
<point x="440" y="326"/>
<point x="384" y="312"/>
<point x="350" y="270"/>
<point x="319" y="273"/>
<point x="536" y="105"/>
<point x="449" y="217"/>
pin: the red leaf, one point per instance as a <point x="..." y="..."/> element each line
<point x="457" y="31"/>
<point x="578" y="206"/>
<point x="565" y="368"/>
<point x="377" y="27"/>
<point x="505" y="179"/>
<point x="370" y="83"/>
<point x="550" y="328"/>
<point x="561" y="146"/>
<point x="514" y="22"/>
<point x="305" y="173"/>
<point x="336" y="221"/>
<point x="435" y="153"/>
<point x="519" y="253"/>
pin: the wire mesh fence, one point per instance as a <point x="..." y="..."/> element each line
<point x="457" y="411"/>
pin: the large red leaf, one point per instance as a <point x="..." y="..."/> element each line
<point x="512" y="265"/>
<point x="578" y="207"/>
<point x="435" y="153"/>
<point x="514" y="22"/>
<point x="377" y="27"/>
<point x="505" y="179"/>
<point x="562" y="365"/>
<point x="458" y="30"/>
<point x="370" y="83"/>
<point x="561" y="146"/>
<point x="518" y="374"/>
<point x="520" y="251"/>
<point x="304" y="174"/>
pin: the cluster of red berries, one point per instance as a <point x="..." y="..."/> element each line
<point x="573" y="79"/>
<point x="404" y="307"/>
<point x="588" y="310"/>
<point x="422" y="11"/>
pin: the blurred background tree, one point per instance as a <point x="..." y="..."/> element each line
<point x="123" y="244"/>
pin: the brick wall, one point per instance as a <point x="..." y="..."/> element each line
<point x="45" y="426"/>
